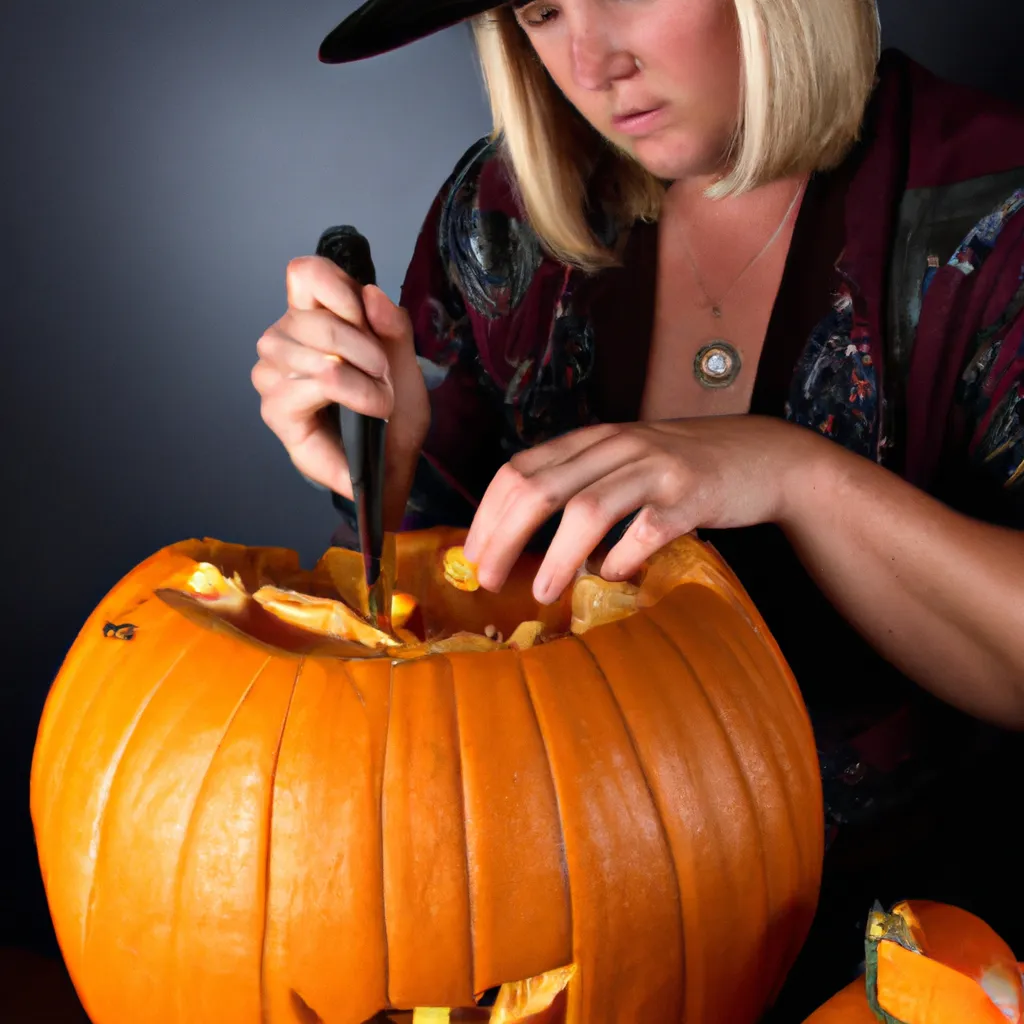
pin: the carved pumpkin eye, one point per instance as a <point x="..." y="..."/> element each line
<point x="604" y="809"/>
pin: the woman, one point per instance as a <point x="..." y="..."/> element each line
<point x="719" y="267"/>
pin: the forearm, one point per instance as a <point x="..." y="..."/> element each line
<point x="939" y="595"/>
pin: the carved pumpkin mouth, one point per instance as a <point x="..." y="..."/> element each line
<point x="436" y="604"/>
<point x="539" y="1000"/>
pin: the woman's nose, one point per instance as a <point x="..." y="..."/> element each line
<point x="597" y="61"/>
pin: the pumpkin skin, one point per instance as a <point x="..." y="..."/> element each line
<point x="243" y="822"/>
<point x="930" y="963"/>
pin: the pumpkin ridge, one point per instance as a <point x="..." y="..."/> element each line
<point x="524" y="675"/>
<point x="465" y="833"/>
<point x="264" y="1001"/>
<point x="728" y="745"/>
<point x="655" y="802"/>
<point x="766" y="747"/>
<point x="108" y="783"/>
<point x="768" y="644"/>
<point x="196" y="804"/>
<point x="51" y="719"/>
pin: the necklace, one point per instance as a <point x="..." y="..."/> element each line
<point x="717" y="364"/>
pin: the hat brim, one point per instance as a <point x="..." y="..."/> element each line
<point x="380" y="26"/>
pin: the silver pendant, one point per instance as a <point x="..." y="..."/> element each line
<point x="717" y="364"/>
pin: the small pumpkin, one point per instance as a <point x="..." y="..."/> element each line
<point x="251" y="806"/>
<point x="930" y="963"/>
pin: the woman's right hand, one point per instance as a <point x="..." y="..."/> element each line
<point x="345" y="343"/>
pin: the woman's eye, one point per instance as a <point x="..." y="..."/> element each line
<point x="537" y="14"/>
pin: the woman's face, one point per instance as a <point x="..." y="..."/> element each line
<point x="677" y="111"/>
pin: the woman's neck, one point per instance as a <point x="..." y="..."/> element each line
<point x="686" y="200"/>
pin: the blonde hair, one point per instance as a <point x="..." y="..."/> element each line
<point x="807" y="71"/>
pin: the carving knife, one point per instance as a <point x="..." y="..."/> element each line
<point x="363" y="438"/>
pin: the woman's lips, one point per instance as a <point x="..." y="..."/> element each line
<point x="640" y="122"/>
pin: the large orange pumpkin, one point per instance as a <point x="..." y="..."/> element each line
<point x="242" y="816"/>
<point x="930" y="963"/>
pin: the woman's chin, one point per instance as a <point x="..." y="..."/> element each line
<point x="669" y="160"/>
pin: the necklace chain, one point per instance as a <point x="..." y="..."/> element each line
<point x="716" y="307"/>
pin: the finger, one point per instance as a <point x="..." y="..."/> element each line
<point x="292" y="360"/>
<point x="292" y="402"/>
<point x="312" y="282"/>
<point x="388" y="321"/>
<point x="291" y="411"/>
<point x="530" y="500"/>
<point x="323" y="332"/>
<point x="319" y="456"/>
<point x="588" y="517"/>
<point x="488" y="515"/>
<point x="339" y="382"/>
<point x="355" y="390"/>
<point x="508" y="481"/>
<point x="653" y="528"/>
<point x="265" y="377"/>
<point x="291" y="408"/>
<point x="565" y="447"/>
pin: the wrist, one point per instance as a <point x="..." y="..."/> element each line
<point x="808" y="478"/>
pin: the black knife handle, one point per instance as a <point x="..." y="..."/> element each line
<point x="362" y="436"/>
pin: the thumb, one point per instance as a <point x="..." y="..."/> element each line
<point x="390" y="322"/>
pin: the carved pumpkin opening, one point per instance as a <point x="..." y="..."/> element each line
<point x="539" y="1000"/>
<point x="436" y="603"/>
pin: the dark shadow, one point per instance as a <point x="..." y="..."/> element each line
<point x="304" y="1013"/>
<point x="36" y="990"/>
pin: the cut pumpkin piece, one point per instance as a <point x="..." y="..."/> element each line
<point x="209" y="584"/>
<point x="533" y="1001"/>
<point x="522" y="1000"/>
<point x="930" y="963"/>
<point x="322" y="615"/>
<point x="595" y="601"/>
<point x="526" y="634"/>
<point x="458" y="571"/>
<point x="461" y="641"/>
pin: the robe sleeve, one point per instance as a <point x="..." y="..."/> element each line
<point x="992" y="391"/>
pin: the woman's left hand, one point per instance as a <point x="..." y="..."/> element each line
<point x="711" y="472"/>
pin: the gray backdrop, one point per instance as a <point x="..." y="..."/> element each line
<point x="162" y="162"/>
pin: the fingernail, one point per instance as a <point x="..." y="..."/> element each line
<point x="542" y="587"/>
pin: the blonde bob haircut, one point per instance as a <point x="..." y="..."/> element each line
<point x="807" y="71"/>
